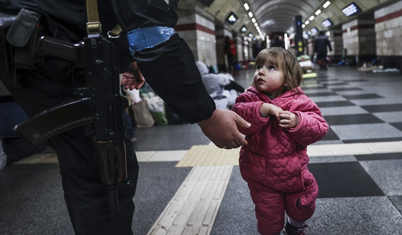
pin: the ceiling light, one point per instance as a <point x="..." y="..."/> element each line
<point x="307" y="22"/>
<point x="253" y="20"/>
<point x="327" y="23"/>
<point x="246" y="6"/>
<point x="317" y="12"/>
<point x="303" y="25"/>
<point x="314" y="30"/>
<point x="351" y="9"/>
<point x="311" y="18"/>
<point x="326" y="4"/>
<point x="250" y="14"/>
<point x="268" y="22"/>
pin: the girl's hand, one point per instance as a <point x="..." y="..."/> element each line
<point x="288" y="119"/>
<point x="275" y="111"/>
<point x="270" y="109"/>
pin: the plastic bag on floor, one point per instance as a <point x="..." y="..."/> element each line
<point x="156" y="106"/>
<point x="143" y="117"/>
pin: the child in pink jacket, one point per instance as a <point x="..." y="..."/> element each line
<point x="284" y="121"/>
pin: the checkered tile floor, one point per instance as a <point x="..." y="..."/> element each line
<point x="360" y="190"/>
<point x="359" y="193"/>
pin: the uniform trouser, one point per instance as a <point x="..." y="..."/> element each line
<point x="84" y="193"/>
<point x="231" y="63"/>
<point x="270" y="205"/>
<point x="322" y="60"/>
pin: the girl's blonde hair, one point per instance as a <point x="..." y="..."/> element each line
<point x="286" y="62"/>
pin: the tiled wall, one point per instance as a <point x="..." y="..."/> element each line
<point x="239" y="49"/>
<point x="310" y="47"/>
<point x="367" y="42"/>
<point x="336" y="42"/>
<point x="247" y="47"/>
<point x="350" y="38"/>
<point x="388" y="28"/>
<point x="359" y="37"/>
<point x="220" y="35"/>
<point x="199" y="33"/>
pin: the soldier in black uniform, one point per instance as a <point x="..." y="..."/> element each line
<point x="166" y="62"/>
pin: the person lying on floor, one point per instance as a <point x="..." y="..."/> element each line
<point x="221" y="86"/>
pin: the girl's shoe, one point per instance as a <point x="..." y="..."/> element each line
<point x="290" y="230"/>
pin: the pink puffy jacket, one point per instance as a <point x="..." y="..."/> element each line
<point x="274" y="156"/>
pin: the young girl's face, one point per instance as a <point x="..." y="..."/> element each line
<point x="269" y="79"/>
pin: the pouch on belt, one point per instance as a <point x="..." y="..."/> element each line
<point x="24" y="34"/>
<point x="5" y="49"/>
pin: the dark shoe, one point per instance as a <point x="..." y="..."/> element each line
<point x="290" y="230"/>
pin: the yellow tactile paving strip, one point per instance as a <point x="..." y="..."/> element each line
<point x="209" y="155"/>
<point x="194" y="207"/>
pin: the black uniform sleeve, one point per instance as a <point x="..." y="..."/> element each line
<point x="169" y="68"/>
<point x="171" y="72"/>
<point x="133" y="14"/>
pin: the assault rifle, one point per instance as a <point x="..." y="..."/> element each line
<point x="100" y="102"/>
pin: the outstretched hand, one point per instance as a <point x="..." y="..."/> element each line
<point x="221" y="129"/>
<point x="133" y="79"/>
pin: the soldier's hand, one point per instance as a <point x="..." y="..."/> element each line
<point x="133" y="79"/>
<point x="221" y="129"/>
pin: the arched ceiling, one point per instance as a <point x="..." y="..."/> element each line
<point x="277" y="15"/>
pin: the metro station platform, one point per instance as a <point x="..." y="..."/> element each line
<point x="188" y="186"/>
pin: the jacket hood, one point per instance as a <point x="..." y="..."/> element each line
<point x="202" y="67"/>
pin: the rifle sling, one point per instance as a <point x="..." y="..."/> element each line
<point x="93" y="25"/>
